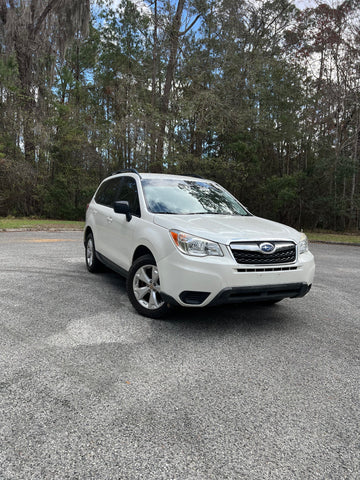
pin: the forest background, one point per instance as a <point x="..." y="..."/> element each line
<point x="258" y="95"/>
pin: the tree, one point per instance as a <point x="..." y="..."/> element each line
<point x="36" y="32"/>
<point x="326" y="37"/>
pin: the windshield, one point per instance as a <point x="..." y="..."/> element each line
<point x="189" y="197"/>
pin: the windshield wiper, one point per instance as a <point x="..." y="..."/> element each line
<point x="218" y="213"/>
<point x="165" y="213"/>
<point x="205" y="213"/>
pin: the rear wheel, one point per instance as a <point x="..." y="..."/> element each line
<point x="143" y="288"/>
<point x="92" y="263"/>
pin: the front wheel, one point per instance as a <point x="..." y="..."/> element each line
<point x="143" y="288"/>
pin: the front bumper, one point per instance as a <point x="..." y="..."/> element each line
<point x="198" y="282"/>
<point x="265" y="293"/>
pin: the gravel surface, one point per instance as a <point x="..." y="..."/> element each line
<point x="91" y="390"/>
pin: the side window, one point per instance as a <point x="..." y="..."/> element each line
<point x="107" y="193"/>
<point x="128" y="192"/>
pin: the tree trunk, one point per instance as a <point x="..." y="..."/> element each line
<point x="157" y="165"/>
<point x="155" y="70"/>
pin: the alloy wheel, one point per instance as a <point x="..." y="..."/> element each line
<point x="146" y="287"/>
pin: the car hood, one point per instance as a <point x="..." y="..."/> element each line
<point x="226" y="229"/>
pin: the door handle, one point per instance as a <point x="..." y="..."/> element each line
<point x="109" y="219"/>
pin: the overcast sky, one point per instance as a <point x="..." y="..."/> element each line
<point x="311" y="3"/>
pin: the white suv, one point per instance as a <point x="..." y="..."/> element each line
<point x="184" y="240"/>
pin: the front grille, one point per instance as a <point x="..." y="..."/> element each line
<point x="250" y="254"/>
<point x="266" y="269"/>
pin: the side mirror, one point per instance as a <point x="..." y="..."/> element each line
<point x="124" y="208"/>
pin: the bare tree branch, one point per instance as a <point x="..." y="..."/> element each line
<point x="184" y="32"/>
<point x="50" y="6"/>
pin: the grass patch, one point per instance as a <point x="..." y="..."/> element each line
<point x="30" y="223"/>
<point x="38" y="224"/>
<point x="350" y="238"/>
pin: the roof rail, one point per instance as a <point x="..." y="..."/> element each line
<point x="127" y="170"/>
<point x="191" y="175"/>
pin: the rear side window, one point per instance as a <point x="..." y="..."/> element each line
<point x="116" y="189"/>
<point x="107" y="193"/>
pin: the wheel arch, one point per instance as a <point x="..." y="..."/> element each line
<point x="140" y="251"/>
<point x="86" y="232"/>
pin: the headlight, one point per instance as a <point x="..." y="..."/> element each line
<point x="303" y="244"/>
<point x="190" y="245"/>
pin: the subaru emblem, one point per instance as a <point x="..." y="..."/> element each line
<point x="267" y="247"/>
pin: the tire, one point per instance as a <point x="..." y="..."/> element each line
<point x="271" y="302"/>
<point x="143" y="288"/>
<point x="92" y="263"/>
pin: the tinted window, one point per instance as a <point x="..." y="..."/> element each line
<point x="128" y="192"/>
<point x="107" y="193"/>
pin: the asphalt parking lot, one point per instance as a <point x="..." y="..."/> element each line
<point x="91" y="390"/>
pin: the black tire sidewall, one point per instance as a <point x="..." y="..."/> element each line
<point x="95" y="266"/>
